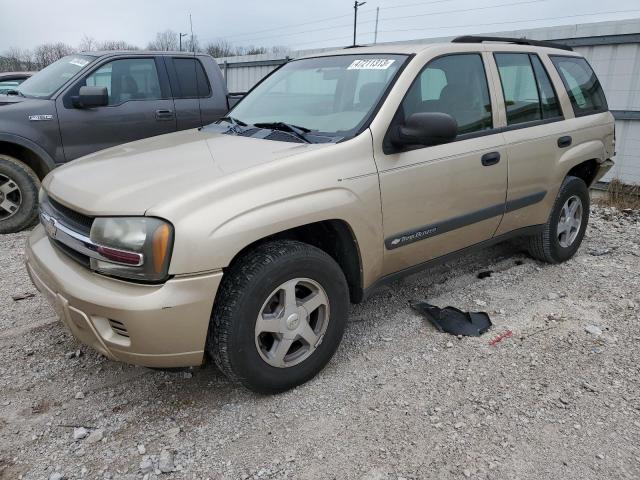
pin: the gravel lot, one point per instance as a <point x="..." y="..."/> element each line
<point x="399" y="400"/>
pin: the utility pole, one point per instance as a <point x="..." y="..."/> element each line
<point x="375" y="35"/>
<point x="182" y="35"/>
<point x="356" y="4"/>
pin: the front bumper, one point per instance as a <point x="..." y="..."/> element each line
<point x="158" y="326"/>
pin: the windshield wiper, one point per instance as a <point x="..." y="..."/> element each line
<point x="298" y="132"/>
<point x="232" y="121"/>
<point x="13" y="92"/>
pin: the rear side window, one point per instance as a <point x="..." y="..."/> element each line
<point x="527" y="90"/>
<point x="192" y="79"/>
<point x="582" y="85"/>
<point x="456" y="85"/>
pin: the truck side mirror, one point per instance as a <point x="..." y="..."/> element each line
<point x="91" y="97"/>
<point x="425" y="128"/>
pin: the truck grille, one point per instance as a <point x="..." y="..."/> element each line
<point x="70" y="218"/>
<point x="75" y="220"/>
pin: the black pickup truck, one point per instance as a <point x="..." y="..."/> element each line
<point x="87" y="102"/>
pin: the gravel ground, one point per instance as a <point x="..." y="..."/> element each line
<point x="560" y="398"/>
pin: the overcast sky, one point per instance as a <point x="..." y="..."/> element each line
<point x="299" y="24"/>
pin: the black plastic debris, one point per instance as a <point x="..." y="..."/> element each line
<point x="454" y="321"/>
<point x="485" y="274"/>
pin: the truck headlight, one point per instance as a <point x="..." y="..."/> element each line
<point x="137" y="248"/>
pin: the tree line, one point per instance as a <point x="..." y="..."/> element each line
<point x="22" y="59"/>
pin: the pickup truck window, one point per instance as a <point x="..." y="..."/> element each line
<point x="187" y="71"/>
<point x="48" y="80"/>
<point x="527" y="90"/>
<point x="127" y="79"/>
<point x="582" y="85"/>
<point x="453" y="84"/>
<point x="333" y="95"/>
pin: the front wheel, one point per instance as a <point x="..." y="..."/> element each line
<point x="18" y="195"/>
<point x="279" y="316"/>
<point x="562" y="235"/>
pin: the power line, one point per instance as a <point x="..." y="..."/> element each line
<point x="509" y="22"/>
<point x="473" y="9"/>
<point x="404" y="5"/>
<point x="441" y="12"/>
<point x="480" y="24"/>
<point x="295" y="25"/>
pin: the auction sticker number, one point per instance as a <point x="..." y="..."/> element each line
<point x="371" y="64"/>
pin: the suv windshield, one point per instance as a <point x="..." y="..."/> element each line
<point x="328" y="95"/>
<point x="44" y="83"/>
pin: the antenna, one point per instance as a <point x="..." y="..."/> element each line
<point x="195" y="71"/>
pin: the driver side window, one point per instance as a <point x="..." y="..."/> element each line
<point x="456" y="85"/>
<point x="127" y="79"/>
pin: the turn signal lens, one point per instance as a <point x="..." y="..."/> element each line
<point x="159" y="245"/>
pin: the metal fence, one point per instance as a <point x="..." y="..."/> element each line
<point x="612" y="48"/>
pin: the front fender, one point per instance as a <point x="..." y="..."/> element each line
<point x="358" y="206"/>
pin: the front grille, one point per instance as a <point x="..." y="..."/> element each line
<point x="71" y="219"/>
<point x="75" y="220"/>
<point x="77" y="256"/>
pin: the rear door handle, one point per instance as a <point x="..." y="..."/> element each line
<point x="564" y="141"/>
<point x="490" y="158"/>
<point x="164" y="114"/>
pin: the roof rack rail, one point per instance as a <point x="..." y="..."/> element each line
<point x="518" y="41"/>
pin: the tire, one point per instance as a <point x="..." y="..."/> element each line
<point x="19" y="187"/>
<point x="549" y="245"/>
<point x="246" y="298"/>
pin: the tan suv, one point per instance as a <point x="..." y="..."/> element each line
<point x="247" y="239"/>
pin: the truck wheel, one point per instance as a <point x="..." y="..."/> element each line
<point x="19" y="187"/>
<point x="563" y="233"/>
<point x="279" y="316"/>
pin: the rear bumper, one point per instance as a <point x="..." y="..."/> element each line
<point x="152" y="325"/>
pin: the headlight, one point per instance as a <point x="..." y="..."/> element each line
<point x="137" y="248"/>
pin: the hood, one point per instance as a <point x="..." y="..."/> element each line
<point x="130" y="179"/>
<point x="10" y="99"/>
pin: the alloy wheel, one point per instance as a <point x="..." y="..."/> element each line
<point x="570" y="221"/>
<point x="292" y="322"/>
<point x="10" y="197"/>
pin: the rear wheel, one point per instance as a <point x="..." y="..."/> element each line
<point x="562" y="235"/>
<point x="279" y="316"/>
<point x="18" y="195"/>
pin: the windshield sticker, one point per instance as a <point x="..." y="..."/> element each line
<point x="371" y="64"/>
<point x="78" y="62"/>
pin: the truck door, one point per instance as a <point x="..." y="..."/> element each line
<point x="198" y="98"/>
<point x="140" y="106"/>
<point x="443" y="198"/>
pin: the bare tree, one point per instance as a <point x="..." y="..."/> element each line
<point x="192" y="44"/>
<point x="48" y="53"/>
<point x="165" y="41"/>
<point x="117" y="45"/>
<point x="15" y="59"/>
<point x="220" y="48"/>
<point x="250" y="50"/>
<point x="87" y="44"/>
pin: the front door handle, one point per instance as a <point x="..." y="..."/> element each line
<point x="564" y="141"/>
<point x="490" y="158"/>
<point x="164" y="115"/>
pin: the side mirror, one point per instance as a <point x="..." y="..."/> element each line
<point x="91" y="97"/>
<point x="425" y="128"/>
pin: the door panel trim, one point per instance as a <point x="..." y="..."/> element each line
<point x="428" y="231"/>
<point x="395" y="276"/>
